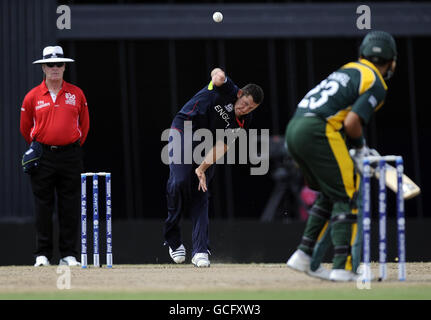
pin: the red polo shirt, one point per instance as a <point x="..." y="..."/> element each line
<point x="56" y="123"/>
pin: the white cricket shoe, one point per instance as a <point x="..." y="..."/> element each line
<point x="179" y="254"/>
<point x="69" y="261"/>
<point x="342" y="275"/>
<point x="201" y="260"/>
<point x="41" y="261"/>
<point x="321" y="273"/>
<point x="299" y="261"/>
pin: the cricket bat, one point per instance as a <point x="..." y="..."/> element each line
<point x="410" y="189"/>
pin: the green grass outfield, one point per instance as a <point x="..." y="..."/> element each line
<point x="401" y="293"/>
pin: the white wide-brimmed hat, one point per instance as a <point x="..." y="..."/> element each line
<point x="53" y="54"/>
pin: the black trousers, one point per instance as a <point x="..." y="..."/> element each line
<point x="184" y="199"/>
<point x="58" y="174"/>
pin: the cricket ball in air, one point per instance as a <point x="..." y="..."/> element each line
<point x="217" y="16"/>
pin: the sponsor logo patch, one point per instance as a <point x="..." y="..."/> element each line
<point x="376" y="49"/>
<point x="42" y="104"/>
<point x="70" y="98"/>
<point x="229" y="107"/>
<point x="373" y="101"/>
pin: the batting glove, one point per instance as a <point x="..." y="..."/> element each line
<point x="358" y="156"/>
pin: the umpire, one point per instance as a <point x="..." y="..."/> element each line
<point x="55" y="122"/>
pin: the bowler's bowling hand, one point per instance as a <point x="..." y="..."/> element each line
<point x="202" y="179"/>
<point x="218" y="77"/>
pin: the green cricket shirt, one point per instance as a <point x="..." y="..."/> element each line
<point x="356" y="86"/>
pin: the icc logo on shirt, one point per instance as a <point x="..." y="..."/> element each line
<point x="70" y="98"/>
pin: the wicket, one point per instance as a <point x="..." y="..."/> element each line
<point x="366" y="219"/>
<point x="96" y="259"/>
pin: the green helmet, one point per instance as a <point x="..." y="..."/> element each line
<point x="378" y="44"/>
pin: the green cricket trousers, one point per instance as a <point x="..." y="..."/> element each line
<point x="323" y="157"/>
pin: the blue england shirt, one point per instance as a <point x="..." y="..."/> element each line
<point x="212" y="108"/>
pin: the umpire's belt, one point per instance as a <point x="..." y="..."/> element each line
<point x="60" y="148"/>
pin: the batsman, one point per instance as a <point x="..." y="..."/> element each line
<point x="329" y="121"/>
